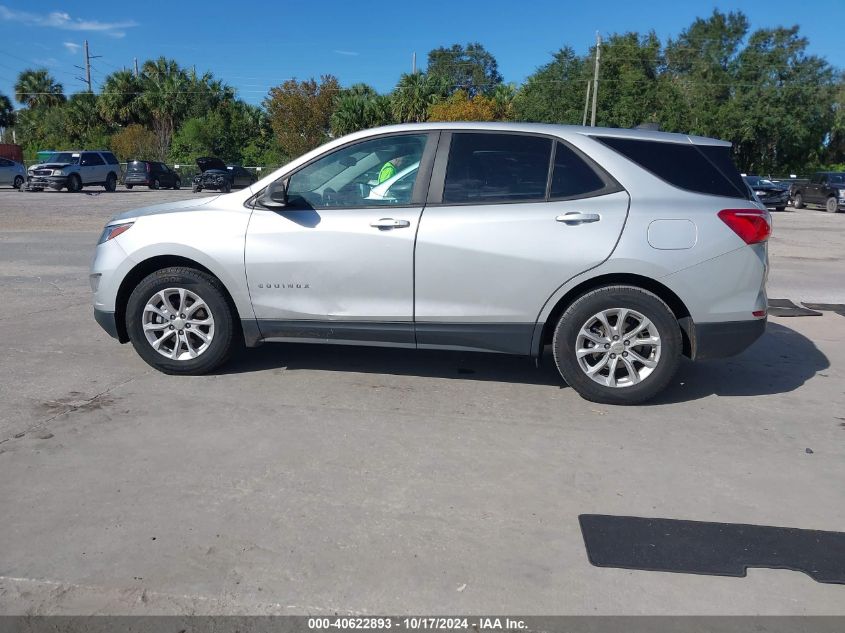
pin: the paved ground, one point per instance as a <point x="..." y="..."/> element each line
<point x="320" y="480"/>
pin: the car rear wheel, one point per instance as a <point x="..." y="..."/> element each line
<point x="798" y="201"/>
<point x="180" y="322"/>
<point x="111" y="183"/>
<point x="618" y="345"/>
<point x="128" y="186"/>
<point x="74" y="183"/>
<point x="831" y="205"/>
<point x="18" y="182"/>
<point x="155" y="184"/>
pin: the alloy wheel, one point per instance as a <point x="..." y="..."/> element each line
<point x="618" y="347"/>
<point x="178" y="324"/>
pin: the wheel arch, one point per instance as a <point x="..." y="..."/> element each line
<point x="544" y="330"/>
<point x="148" y="266"/>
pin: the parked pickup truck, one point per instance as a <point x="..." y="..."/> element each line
<point x="826" y="188"/>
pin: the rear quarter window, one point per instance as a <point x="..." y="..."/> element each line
<point x="706" y="169"/>
<point x="110" y="158"/>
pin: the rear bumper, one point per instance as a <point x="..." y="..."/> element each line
<point x="719" y="340"/>
<point x="107" y="321"/>
<point x="135" y="180"/>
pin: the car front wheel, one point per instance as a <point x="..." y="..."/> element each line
<point x="798" y="201"/>
<point x="18" y="184"/>
<point x="618" y="345"/>
<point x="180" y="322"/>
<point x="831" y="205"/>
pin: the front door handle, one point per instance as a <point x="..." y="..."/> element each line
<point x="390" y="223"/>
<point x="574" y="217"/>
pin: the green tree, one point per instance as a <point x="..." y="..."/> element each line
<point x="7" y="112"/>
<point x="414" y="95"/>
<point x="555" y="92"/>
<point x="37" y="88"/>
<point x="165" y="99"/>
<point x="300" y="112"/>
<point x="461" y="107"/>
<point x="358" y="108"/>
<point x="120" y="99"/>
<point x="470" y="68"/>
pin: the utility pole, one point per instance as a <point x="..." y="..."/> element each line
<point x="136" y="66"/>
<point x="587" y="102"/>
<point x="87" y="69"/>
<point x="414" y="63"/>
<point x="596" y="80"/>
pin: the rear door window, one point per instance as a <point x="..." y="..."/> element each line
<point x="91" y="159"/>
<point x="489" y="168"/>
<point x="706" y="169"/>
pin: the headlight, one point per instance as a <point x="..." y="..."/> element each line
<point x="57" y="172"/>
<point x="112" y="231"/>
<point x="30" y="171"/>
<point x="842" y="193"/>
<point x="760" y="193"/>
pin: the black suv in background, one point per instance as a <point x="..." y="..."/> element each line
<point x="215" y="174"/>
<point x="826" y="188"/>
<point x="151" y="173"/>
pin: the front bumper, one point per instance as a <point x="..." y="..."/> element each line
<point x="719" y="340"/>
<point x="43" y="182"/>
<point x="775" y="200"/>
<point x="107" y="321"/>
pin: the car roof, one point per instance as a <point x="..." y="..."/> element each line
<point x="554" y="129"/>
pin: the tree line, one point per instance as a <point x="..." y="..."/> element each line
<point x="781" y="107"/>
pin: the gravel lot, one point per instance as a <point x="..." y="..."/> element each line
<point x="320" y="480"/>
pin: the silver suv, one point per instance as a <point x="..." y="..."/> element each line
<point x="74" y="170"/>
<point x="622" y="249"/>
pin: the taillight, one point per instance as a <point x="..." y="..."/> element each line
<point x="752" y="225"/>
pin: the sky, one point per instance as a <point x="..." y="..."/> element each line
<point x="255" y="45"/>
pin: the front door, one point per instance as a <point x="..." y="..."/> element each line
<point x="514" y="217"/>
<point x="337" y="263"/>
<point x="91" y="167"/>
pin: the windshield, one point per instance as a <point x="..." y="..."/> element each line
<point x="64" y="157"/>
<point x="756" y="181"/>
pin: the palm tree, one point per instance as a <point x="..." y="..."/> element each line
<point x="358" y="108"/>
<point x="119" y="101"/>
<point x="36" y="88"/>
<point x="414" y="94"/>
<point x="7" y="112"/>
<point x="166" y="97"/>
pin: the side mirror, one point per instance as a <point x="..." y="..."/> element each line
<point x="275" y="196"/>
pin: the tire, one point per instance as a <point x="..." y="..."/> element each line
<point x="177" y="184"/>
<point x="18" y="182"/>
<point x="128" y="186"/>
<point x="227" y="187"/>
<point x="831" y="205"/>
<point x="111" y="183"/>
<point x="155" y="184"/>
<point x="165" y="285"/>
<point x="608" y="301"/>
<point x="74" y="183"/>
<point x="798" y="201"/>
<point x="196" y="188"/>
<point x="780" y="208"/>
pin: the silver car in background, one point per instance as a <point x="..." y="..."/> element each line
<point x="12" y="173"/>
<point x="622" y="249"/>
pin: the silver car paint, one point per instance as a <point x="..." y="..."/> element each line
<point x="355" y="271"/>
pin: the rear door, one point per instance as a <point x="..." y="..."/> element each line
<point x="510" y="218"/>
<point x="6" y="171"/>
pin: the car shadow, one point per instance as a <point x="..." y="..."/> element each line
<point x="779" y="362"/>
<point x="401" y="362"/>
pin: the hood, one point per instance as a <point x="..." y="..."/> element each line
<point x="209" y="162"/>
<point x="51" y="165"/>
<point x="168" y="207"/>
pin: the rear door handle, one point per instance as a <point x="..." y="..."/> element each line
<point x="574" y="217"/>
<point x="390" y="223"/>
